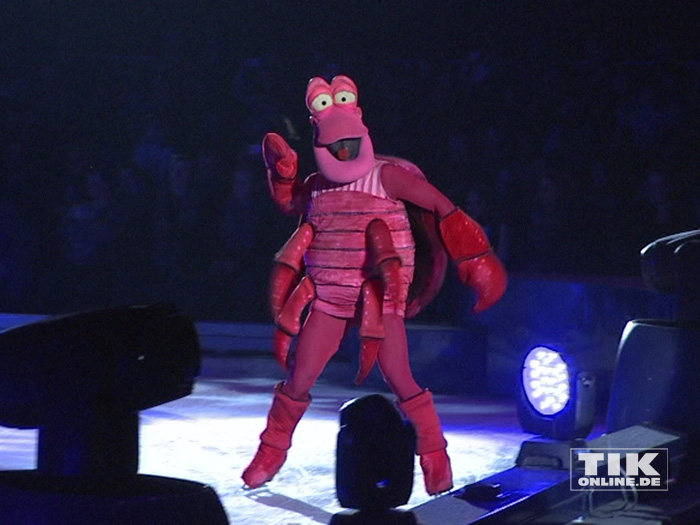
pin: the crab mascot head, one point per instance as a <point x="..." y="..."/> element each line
<point x="342" y="146"/>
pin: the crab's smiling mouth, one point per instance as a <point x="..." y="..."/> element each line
<point x="345" y="149"/>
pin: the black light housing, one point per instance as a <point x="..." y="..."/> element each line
<point x="375" y="455"/>
<point x="82" y="379"/>
<point x="658" y="360"/>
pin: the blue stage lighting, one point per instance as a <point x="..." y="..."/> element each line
<point x="546" y="380"/>
<point x="556" y="398"/>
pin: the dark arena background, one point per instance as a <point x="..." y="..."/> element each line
<point x="137" y="238"/>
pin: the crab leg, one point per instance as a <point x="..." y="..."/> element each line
<point x="288" y="321"/>
<point x="371" y="327"/>
<point x="288" y="267"/>
<point x="387" y="264"/>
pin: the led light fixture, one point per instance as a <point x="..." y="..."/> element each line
<point x="546" y="381"/>
<point x="556" y="400"/>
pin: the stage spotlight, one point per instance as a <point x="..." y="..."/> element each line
<point x="375" y="456"/>
<point x="556" y="400"/>
<point x="82" y="379"/>
<point x="546" y="381"/>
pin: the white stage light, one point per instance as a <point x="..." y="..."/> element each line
<point x="556" y="399"/>
<point x="546" y="380"/>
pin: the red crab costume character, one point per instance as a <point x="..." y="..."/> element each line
<point x="353" y="259"/>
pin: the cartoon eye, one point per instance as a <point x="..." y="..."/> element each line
<point x="345" y="97"/>
<point x="321" y="102"/>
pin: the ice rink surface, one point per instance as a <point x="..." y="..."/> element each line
<point x="211" y="435"/>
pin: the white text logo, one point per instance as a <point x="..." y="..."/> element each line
<point x="615" y="469"/>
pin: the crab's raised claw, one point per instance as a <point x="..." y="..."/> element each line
<point x="281" y="163"/>
<point x="280" y="159"/>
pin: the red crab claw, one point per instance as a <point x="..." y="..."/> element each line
<point x="477" y="265"/>
<point x="288" y="321"/>
<point x="371" y="329"/>
<point x="280" y="159"/>
<point x="281" y="162"/>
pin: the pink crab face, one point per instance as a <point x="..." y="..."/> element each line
<point x="342" y="146"/>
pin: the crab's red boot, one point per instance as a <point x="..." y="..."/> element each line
<point x="430" y="442"/>
<point x="276" y="439"/>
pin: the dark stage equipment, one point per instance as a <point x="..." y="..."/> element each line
<point x="556" y="399"/>
<point x="657" y="376"/>
<point x="543" y="495"/>
<point x="374" y="517"/>
<point x="670" y="265"/>
<point x="375" y="456"/>
<point x="547" y="453"/>
<point x="81" y="379"/>
<point x="658" y="362"/>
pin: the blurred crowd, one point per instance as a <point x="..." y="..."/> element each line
<point x="136" y="179"/>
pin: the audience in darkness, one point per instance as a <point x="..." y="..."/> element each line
<point x="146" y="183"/>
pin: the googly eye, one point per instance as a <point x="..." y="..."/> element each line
<point x="321" y="102"/>
<point x="345" y="97"/>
